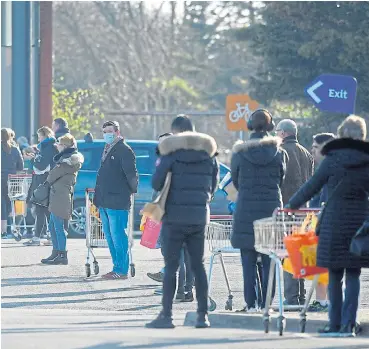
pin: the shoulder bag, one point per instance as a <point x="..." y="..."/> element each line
<point x="155" y="210"/>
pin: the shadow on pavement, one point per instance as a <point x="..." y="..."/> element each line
<point x="20" y="265"/>
<point x="186" y="342"/>
<point x="79" y="293"/>
<point x="68" y="301"/>
<point x="53" y="280"/>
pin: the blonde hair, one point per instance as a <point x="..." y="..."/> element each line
<point x="352" y="127"/>
<point x="46" y="131"/>
<point x="68" y="140"/>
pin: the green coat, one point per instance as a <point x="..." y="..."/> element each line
<point x="63" y="179"/>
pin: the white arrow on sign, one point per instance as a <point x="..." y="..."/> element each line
<point x="311" y="90"/>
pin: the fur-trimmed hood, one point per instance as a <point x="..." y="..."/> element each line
<point x="70" y="157"/>
<point x="350" y="152"/>
<point x="260" y="151"/>
<point x="188" y="141"/>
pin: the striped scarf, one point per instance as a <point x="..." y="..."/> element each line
<point x="109" y="147"/>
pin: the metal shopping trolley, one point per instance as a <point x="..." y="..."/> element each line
<point x="269" y="240"/>
<point x="218" y="236"/>
<point x="95" y="237"/>
<point x="18" y="186"/>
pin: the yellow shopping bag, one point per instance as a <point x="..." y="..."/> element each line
<point x="323" y="278"/>
<point x="20" y="208"/>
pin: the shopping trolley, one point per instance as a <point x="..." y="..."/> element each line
<point x="95" y="237"/>
<point x="269" y="240"/>
<point x="18" y="186"/>
<point x="218" y="236"/>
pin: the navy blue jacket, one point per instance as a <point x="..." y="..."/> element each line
<point x="347" y="207"/>
<point x="258" y="168"/>
<point x="43" y="161"/>
<point x="319" y="199"/>
<point x="117" y="178"/>
<point x="190" y="156"/>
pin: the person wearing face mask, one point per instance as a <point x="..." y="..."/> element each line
<point x="117" y="180"/>
<point x="62" y="179"/>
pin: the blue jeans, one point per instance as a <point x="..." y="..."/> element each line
<point x="114" y="225"/>
<point x="343" y="312"/>
<point x="252" y="294"/>
<point x="58" y="233"/>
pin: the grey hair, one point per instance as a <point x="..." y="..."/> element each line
<point x="352" y="127"/>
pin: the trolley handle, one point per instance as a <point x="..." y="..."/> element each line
<point x="19" y="176"/>
<point x="220" y="217"/>
<point x="301" y="210"/>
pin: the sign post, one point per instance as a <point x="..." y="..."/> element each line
<point x="238" y="110"/>
<point x="333" y="93"/>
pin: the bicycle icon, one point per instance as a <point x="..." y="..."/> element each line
<point x="240" y="113"/>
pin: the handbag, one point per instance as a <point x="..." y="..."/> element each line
<point x="41" y="195"/>
<point x="360" y="242"/>
<point x="155" y="210"/>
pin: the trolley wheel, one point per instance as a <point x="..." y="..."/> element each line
<point x="266" y="325"/>
<point x="229" y="304"/>
<point x="302" y="325"/>
<point x="17" y="236"/>
<point x="281" y="323"/>
<point x="133" y="270"/>
<point x="212" y="305"/>
<point x="88" y="269"/>
<point x="96" y="268"/>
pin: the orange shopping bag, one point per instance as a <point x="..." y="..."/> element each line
<point x="323" y="278"/>
<point x="301" y="247"/>
<point x="150" y="234"/>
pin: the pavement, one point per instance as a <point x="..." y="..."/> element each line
<point x="58" y="306"/>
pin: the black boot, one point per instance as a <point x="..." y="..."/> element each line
<point x="202" y="320"/>
<point x="53" y="255"/>
<point x="162" y="321"/>
<point x="60" y="259"/>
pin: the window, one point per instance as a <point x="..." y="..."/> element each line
<point x="145" y="161"/>
<point x="92" y="158"/>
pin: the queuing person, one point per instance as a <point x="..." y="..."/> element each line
<point x="345" y="171"/>
<point x="318" y="201"/>
<point x="185" y="276"/>
<point x="11" y="162"/>
<point x="117" y="180"/>
<point x="42" y="163"/>
<point x="62" y="179"/>
<point x="190" y="157"/>
<point x="258" y="167"/>
<point x="300" y="167"/>
<point x="60" y="127"/>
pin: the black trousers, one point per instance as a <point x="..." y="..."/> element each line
<point x="42" y="216"/>
<point x="174" y="236"/>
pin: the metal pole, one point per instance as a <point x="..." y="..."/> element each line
<point x="35" y="70"/>
<point x="21" y="68"/>
<point x="6" y="64"/>
<point x="45" y="74"/>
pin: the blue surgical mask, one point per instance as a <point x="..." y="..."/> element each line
<point x="109" y="138"/>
